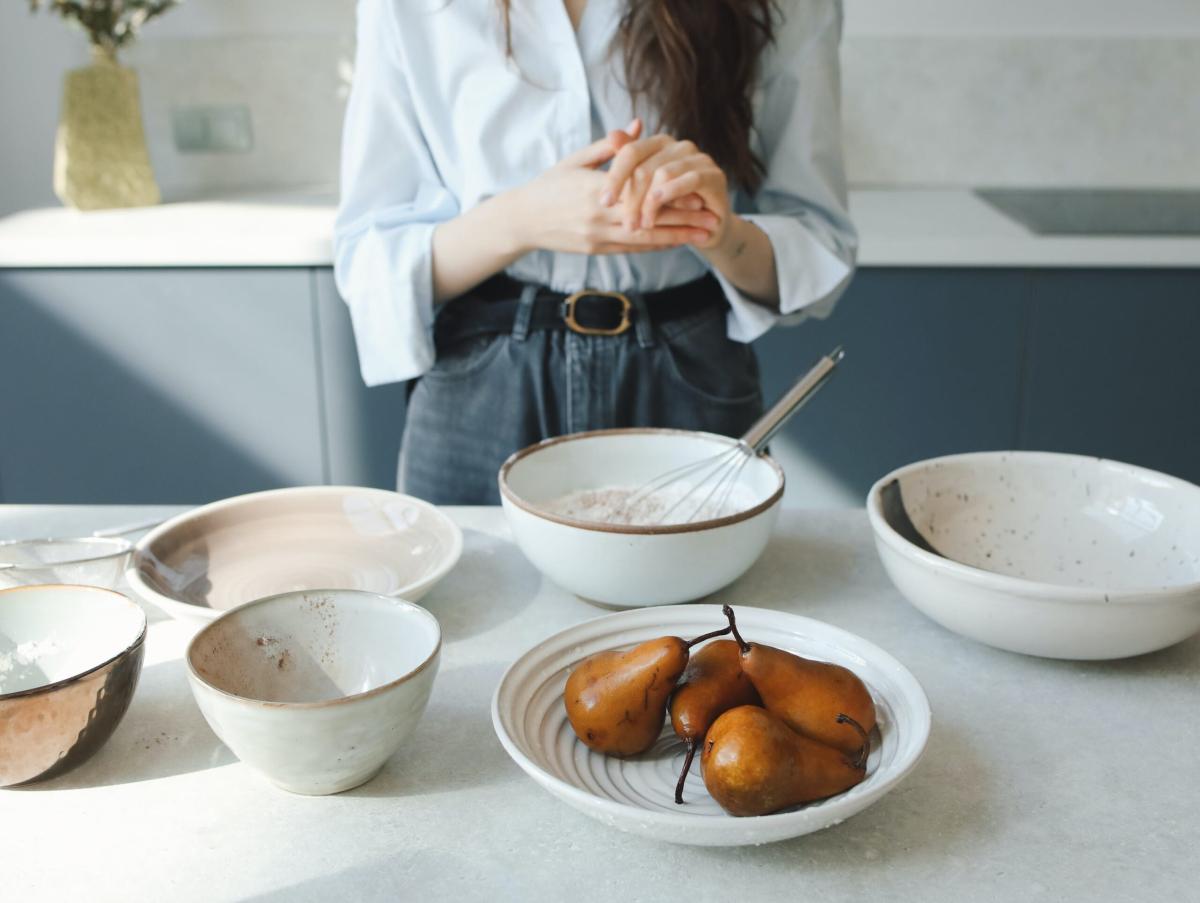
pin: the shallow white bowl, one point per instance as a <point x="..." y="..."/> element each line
<point x="1053" y="555"/>
<point x="218" y="556"/>
<point x="316" y="690"/>
<point x="637" y="794"/>
<point x="629" y="565"/>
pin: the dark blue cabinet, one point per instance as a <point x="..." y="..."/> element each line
<point x="186" y="385"/>
<point x="155" y="385"/>
<point x="1114" y="367"/>
<point x="932" y="367"/>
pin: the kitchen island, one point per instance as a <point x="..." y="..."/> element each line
<point x="1043" y="780"/>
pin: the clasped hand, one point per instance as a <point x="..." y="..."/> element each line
<point x="658" y="193"/>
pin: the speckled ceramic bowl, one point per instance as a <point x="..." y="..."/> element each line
<point x="1046" y="554"/>
<point x="316" y="689"/>
<point x="70" y="657"/>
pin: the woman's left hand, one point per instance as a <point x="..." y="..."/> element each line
<point x="651" y="173"/>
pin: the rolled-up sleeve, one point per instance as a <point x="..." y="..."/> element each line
<point x="392" y="198"/>
<point x="801" y="205"/>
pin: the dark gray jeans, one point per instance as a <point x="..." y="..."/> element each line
<point x="490" y="395"/>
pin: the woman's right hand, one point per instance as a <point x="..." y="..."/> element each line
<point x="561" y="210"/>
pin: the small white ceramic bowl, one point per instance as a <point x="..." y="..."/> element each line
<point x="638" y="794"/>
<point x="213" y="558"/>
<point x="86" y="561"/>
<point x="1054" y="555"/>
<point x="316" y="690"/>
<point x="70" y="657"/>
<point x="617" y="564"/>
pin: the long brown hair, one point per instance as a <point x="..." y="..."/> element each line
<point x="695" y="62"/>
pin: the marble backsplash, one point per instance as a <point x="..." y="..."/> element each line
<point x="1022" y="111"/>
<point x="928" y="111"/>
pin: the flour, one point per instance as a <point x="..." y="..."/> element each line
<point x="624" y="505"/>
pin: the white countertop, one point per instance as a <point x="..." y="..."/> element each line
<point x="1043" y="780"/>
<point x="901" y="228"/>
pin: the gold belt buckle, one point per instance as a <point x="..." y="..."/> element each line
<point x="574" y="325"/>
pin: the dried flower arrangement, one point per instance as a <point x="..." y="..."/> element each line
<point x="110" y="24"/>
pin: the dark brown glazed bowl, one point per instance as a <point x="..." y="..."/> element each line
<point x="70" y="657"/>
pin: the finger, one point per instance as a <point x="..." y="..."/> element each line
<point x="700" y="219"/>
<point x="655" y="236"/>
<point x="637" y="249"/>
<point x="624" y="163"/>
<point x="627" y="135"/>
<point x="689" y="183"/>
<point x="687" y="202"/>
<point x="679" y="155"/>
<point x="670" y="170"/>
<point x="593" y="155"/>
<point x="619" y="139"/>
<point x="644" y="175"/>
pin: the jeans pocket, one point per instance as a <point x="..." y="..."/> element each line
<point x="466" y="357"/>
<point x="704" y="361"/>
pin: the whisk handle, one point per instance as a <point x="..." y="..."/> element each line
<point x="779" y="413"/>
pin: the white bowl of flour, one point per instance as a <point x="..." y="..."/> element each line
<point x="568" y="502"/>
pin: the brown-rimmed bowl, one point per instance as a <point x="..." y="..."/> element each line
<point x="70" y="657"/>
<point x="627" y="565"/>
<point x="316" y="689"/>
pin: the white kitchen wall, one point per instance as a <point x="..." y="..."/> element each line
<point x="287" y="60"/>
<point x="1070" y="18"/>
<point x="937" y="92"/>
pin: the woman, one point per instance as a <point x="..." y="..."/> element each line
<point x="505" y="160"/>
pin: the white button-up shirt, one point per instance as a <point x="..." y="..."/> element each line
<point x="440" y="118"/>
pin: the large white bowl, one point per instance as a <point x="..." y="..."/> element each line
<point x="638" y="794"/>
<point x="631" y="565"/>
<point x="216" y="557"/>
<point x="1053" y="555"/>
<point x="316" y="690"/>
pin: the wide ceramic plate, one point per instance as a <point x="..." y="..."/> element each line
<point x="637" y="794"/>
<point x="219" y="556"/>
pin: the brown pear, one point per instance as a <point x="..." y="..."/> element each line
<point x="616" y="701"/>
<point x="754" y="764"/>
<point x="712" y="683"/>
<point x="809" y="695"/>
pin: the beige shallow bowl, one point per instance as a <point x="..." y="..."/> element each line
<point x="222" y="555"/>
<point x="70" y="657"/>
<point x="316" y="690"/>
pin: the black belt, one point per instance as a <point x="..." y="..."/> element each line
<point x="491" y="307"/>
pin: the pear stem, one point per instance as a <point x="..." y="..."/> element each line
<point x="706" y="636"/>
<point x="683" y="773"/>
<point x="742" y="644"/>
<point x="865" y="752"/>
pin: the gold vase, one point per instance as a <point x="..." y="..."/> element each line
<point x="100" y="157"/>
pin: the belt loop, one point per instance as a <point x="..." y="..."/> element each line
<point x="641" y="323"/>
<point x="524" y="315"/>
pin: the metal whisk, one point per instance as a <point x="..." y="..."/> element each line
<point x="714" y="478"/>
